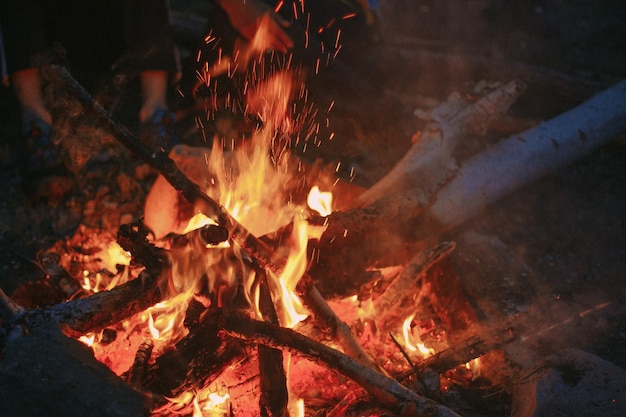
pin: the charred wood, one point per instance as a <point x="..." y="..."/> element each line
<point x="137" y="373"/>
<point x="195" y="361"/>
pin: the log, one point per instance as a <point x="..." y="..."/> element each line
<point x="387" y="391"/>
<point x="393" y="295"/>
<point x="80" y="316"/>
<point x="430" y="160"/>
<point x="521" y="159"/>
<point x="195" y="362"/>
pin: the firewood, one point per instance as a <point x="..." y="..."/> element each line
<point x="525" y="157"/>
<point x="401" y="286"/>
<point x="465" y="350"/>
<point x="429" y="162"/>
<point x="339" y="330"/>
<point x="137" y="373"/>
<point x="273" y="380"/>
<point x="195" y="362"/>
<point x="80" y="316"/>
<point x="360" y="238"/>
<point x="387" y="391"/>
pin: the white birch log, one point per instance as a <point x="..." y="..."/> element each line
<point x="429" y="162"/>
<point x="525" y="157"/>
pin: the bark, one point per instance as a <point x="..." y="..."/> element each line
<point x="387" y="391"/>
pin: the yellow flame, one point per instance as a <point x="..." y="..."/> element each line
<point x="297" y="408"/>
<point x="114" y="255"/>
<point x="412" y="342"/>
<point x="88" y="339"/>
<point x="322" y="202"/>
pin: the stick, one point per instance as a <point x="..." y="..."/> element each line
<point x="402" y="285"/>
<point x="385" y="390"/>
<point x="339" y="329"/>
<point x="168" y="169"/>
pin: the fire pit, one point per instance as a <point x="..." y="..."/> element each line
<point x="243" y="290"/>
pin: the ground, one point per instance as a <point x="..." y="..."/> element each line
<point x="568" y="229"/>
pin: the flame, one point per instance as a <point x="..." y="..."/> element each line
<point x="413" y="342"/>
<point x="322" y="202"/>
<point x="475" y="367"/>
<point x="297" y="408"/>
<point x="165" y="320"/>
<point x="114" y="255"/>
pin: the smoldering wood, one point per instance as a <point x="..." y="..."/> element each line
<point x="408" y="279"/>
<point x="464" y="351"/>
<point x="339" y="330"/>
<point x="80" y="316"/>
<point x="387" y="391"/>
<point x="195" y="361"/>
<point x="137" y="372"/>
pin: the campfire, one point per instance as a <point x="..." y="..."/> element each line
<point x="260" y="284"/>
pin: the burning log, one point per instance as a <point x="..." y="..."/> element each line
<point x="137" y="373"/>
<point x="195" y="361"/>
<point x="393" y="295"/>
<point x="385" y="390"/>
